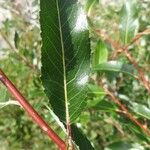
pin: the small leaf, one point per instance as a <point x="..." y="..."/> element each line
<point x="80" y="139"/>
<point x="94" y="101"/>
<point x="100" y="54"/>
<point x="115" y="66"/>
<point x="89" y="6"/>
<point x="95" y="95"/>
<point x="105" y="106"/>
<point x="16" y="39"/>
<point x="96" y="90"/>
<point x="120" y="145"/>
<point x="141" y="110"/>
<point x="10" y="102"/>
<point x="137" y="131"/>
<point x="129" y="21"/>
<point x="3" y="94"/>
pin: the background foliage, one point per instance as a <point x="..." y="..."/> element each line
<point x="101" y="122"/>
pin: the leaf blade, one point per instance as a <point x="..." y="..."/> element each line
<point x="65" y="56"/>
<point x="115" y="66"/>
<point x="100" y="54"/>
<point x="129" y="21"/>
<point x="141" y="110"/>
<point x="81" y="139"/>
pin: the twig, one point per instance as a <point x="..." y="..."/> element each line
<point x="125" y="110"/>
<point x="138" y="36"/>
<point x="31" y="111"/>
<point x="124" y="49"/>
<point x="20" y="57"/>
<point x="140" y="71"/>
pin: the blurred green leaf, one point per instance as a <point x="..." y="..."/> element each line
<point x="65" y="56"/>
<point x="3" y="93"/>
<point x="137" y="131"/>
<point x="16" y="39"/>
<point x="80" y="139"/>
<point x="100" y="54"/>
<point x="129" y="21"/>
<point x="93" y="101"/>
<point x="105" y="106"/>
<point x="120" y="145"/>
<point x="96" y="90"/>
<point x="89" y="6"/>
<point x="141" y="110"/>
<point x="115" y="66"/>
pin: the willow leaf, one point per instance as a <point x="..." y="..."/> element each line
<point x="80" y="139"/>
<point x="65" y="56"/>
<point x="129" y="21"/>
<point x="141" y="110"/>
<point x="115" y="66"/>
<point x="100" y="54"/>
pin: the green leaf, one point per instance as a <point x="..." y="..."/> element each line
<point x="80" y="139"/>
<point x="89" y="6"/>
<point x="96" y="90"/>
<point x="129" y="21"/>
<point x="16" y="39"/>
<point x="95" y="95"/>
<point x="120" y="145"/>
<point x="3" y="94"/>
<point x="100" y="54"/>
<point x="141" y="110"/>
<point x="4" y="98"/>
<point x="105" y="106"/>
<point x="65" y="56"/>
<point x="137" y="131"/>
<point x="115" y="66"/>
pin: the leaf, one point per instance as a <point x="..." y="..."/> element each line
<point x="141" y="110"/>
<point x="100" y="54"/>
<point x="105" y="106"/>
<point x="95" y="89"/>
<point x="120" y="145"/>
<point x="95" y="95"/>
<point x="9" y="102"/>
<point x="115" y="66"/>
<point x="89" y="6"/>
<point x="129" y="21"/>
<point x="65" y="56"/>
<point x="16" y="39"/>
<point x="80" y="139"/>
<point x="137" y="131"/>
<point x="3" y="94"/>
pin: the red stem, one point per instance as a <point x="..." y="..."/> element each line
<point x="31" y="111"/>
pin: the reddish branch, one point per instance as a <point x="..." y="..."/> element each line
<point x="34" y="114"/>
<point x="125" y="110"/>
<point x="124" y="49"/>
<point x="140" y="71"/>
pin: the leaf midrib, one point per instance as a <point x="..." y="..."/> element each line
<point x="64" y="66"/>
<point x="127" y="26"/>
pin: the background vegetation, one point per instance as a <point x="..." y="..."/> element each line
<point x="105" y="125"/>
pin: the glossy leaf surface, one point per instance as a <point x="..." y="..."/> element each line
<point x="129" y="21"/>
<point x="100" y="54"/>
<point x="141" y="110"/>
<point x="115" y="66"/>
<point x="119" y="146"/>
<point x="80" y="139"/>
<point x="105" y="106"/>
<point x="65" y="56"/>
